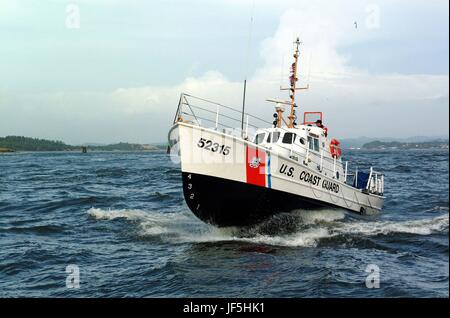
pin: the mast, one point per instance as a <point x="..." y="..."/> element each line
<point x="279" y="120"/>
<point x="293" y="80"/>
<point x="293" y="87"/>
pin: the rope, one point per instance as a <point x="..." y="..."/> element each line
<point x="311" y="186"/>
<point x="368" y="200"/>
<point x="331" y="197"/>
<point x="345" y="200"/>
<point x="357" y="201"/>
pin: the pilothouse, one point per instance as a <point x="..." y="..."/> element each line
<point x="234" y="178"/>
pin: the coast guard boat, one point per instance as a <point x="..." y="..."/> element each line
<point x="239" y="177"/>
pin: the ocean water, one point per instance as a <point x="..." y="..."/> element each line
<point x="120" y="220"/>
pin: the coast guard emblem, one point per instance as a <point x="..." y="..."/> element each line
<point x="255" y="168"/>
<point x="255" y="162"/>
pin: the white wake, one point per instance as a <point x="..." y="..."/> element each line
<point x="309" y="229"/>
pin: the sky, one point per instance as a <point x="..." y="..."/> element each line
<point x="108" y="71"/>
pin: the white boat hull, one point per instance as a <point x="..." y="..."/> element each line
<point x="228" y="181"/>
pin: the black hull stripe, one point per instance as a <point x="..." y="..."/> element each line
<point x="224" y="202"/>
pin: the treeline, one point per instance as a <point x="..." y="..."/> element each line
<point x="123" y="146"/>
<point x="20" y="143"/>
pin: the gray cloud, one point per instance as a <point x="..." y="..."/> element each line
<point x="356" y="100"/>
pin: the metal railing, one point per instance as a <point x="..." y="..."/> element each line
<point x="375" y="184"/>
<point x="198" y="111"/>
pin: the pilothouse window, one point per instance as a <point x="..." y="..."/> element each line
<point x="273" y="137"/>
<point x="310" y="143"/>
<point x="259" y="138"/>
<point x="276" y="136"/>
<point x="313" y="143"/>
<point x="316" y="144"/>
<point x="288" y="138"/>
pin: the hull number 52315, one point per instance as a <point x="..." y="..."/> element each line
<point x="213" y="146"/>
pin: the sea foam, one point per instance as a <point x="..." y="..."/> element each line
<point x="312" y="227"/>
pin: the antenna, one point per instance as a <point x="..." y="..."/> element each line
<point x="281" y="70"/>
<point x="309" y="68"/>
<point x="246" y="67"/>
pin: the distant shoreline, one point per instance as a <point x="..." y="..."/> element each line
<point x="394" y="149"/>
<point x="393" y="145"/>
<point x="10" y="151"/>
<point x="21" y="143"/>
<point x="6" y="150"/>
<point x="12" y="144"/>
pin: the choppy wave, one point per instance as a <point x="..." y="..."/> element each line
<point x="114" y="214"/>
<point x="419" y="227"/>
<point x="310" y="227"/>
<point x="121" y="217"/>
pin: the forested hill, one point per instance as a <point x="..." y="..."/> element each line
<point x="19" y="143"/>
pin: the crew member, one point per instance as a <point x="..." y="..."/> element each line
<point x="319" y="124"/>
